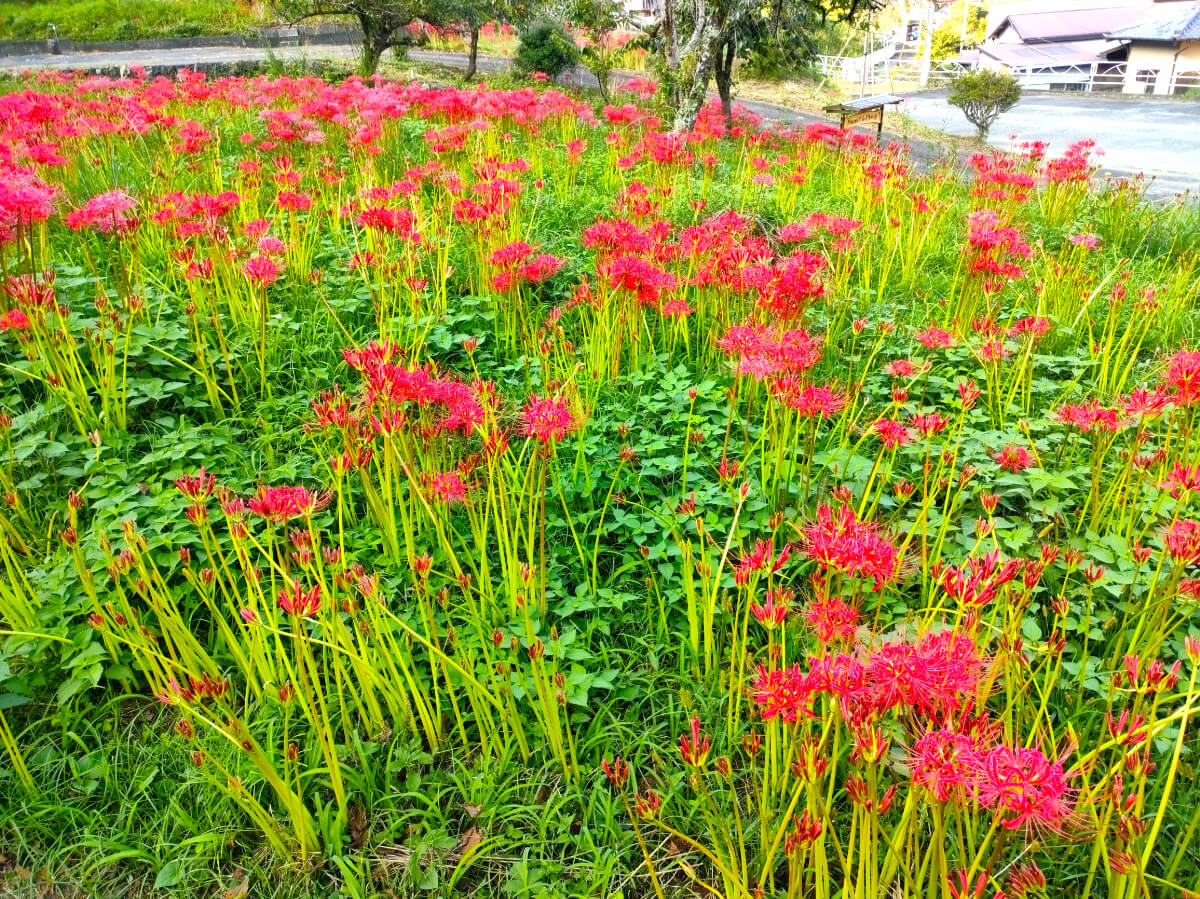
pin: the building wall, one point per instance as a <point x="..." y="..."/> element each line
<point x="1167" y="65"/>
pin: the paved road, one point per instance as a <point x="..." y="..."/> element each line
<point x="180" y="57"/>
<point x="1137" y="134"/>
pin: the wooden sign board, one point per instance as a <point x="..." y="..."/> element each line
<point x="872" y="116"/>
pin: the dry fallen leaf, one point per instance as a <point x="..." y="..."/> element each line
<point x="469" y="840"/>
<point x="358" y="825"/>
<point x="240" y="889"/>
<point x="473" y="810"/>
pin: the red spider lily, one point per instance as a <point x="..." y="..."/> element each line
<point x="900" y="368"/>
<point x="1026" y="785"/>
<point x="929" y="425"/>
<point x="817" y="402"/>
<point x="547" y="419"/>
<point x="838" y="541"/>
<point x="647" y="804"/>
<point x="1089" y="416"/>
<point x="978" y="580"/>
<point x="1191" y="646"/>
<point x="832" y="618"/>
<point x="30" y="292"/>
<point x="24" y="200"/>
<point x="961" y="887"/>
<point x="198" y="486"/>
<point x="1183" y="541"/>
<point x="261" y="270"/>
<point x="1032" y="327"/>
<point x="617" y="772"/>
<point x="1026" y="879"/>
<point x="107" y="213"/>
<point x="1126" y="731"/>
<point x="761" y="558"/>
<point x="297" y="601"/>
<point x="1147" y="403"/>
<point x="641" y="278"/>
<point x="448" y="487"/>
<point x="805" y="832"/>
<point x="891" y="433"/>
<point x="774" y="611"/>
<point x="935" y="339"/>
<point x="1183" y="377"/>
<point x="1013" y="458"/>
<point x="280" y="504"/>
<point x="968" y="393"/>
<point x="783" y="693"/>
<point x="945" y="763"/>
<point x="932" y="676"/>
<point x="14" y="320"/>
<point x="992" y="352"/>
<point x="694" y="750"/>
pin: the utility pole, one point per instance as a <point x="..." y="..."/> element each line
<point x="962" y="40"/>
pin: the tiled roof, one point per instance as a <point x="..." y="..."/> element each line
<point x="1058" y="25"/>
<point x="1164" y="27"/>
<point x="1073" y="53"/>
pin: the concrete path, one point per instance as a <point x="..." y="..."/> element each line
<point x="1136" y="134"/>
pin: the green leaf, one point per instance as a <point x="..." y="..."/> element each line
<point x="169" y="875"/>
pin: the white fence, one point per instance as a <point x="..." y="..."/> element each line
<point x="886" y="74"/>
<point x="894" y="74"/>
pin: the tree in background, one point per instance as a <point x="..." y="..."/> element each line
<point x="599" y="20"/>
<point x="384" y="23"/>
<point x="951" y="38"/>
<point x="983" y="96"/>
<point x="713" y="28"/>
<point x="471" y="15"/>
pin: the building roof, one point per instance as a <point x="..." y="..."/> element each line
<point x="1163" y="26"/>
<point x="1058" y="25"/>
<point x="1071" y="53"/>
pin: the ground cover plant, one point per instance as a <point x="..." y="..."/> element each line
<point x="125" y="20"/>
<point x="414" y="490"/>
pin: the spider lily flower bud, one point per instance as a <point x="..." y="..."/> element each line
<point x="694" y="750"/>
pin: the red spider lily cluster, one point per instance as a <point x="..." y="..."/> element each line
<point x="891" y="475"/>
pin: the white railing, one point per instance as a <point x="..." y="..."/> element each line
<point x="896" y="74"/>
<point x="1108" y="76"/>
<point x="887" y="73"/>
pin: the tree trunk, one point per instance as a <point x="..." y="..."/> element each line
<point x="723" y="74"/>
<point x="692" y="98"/>
<point x="372" y="50"/>
<point x="671" y="52"/>
<point x="472" y="54"/>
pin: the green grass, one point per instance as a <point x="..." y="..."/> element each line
<point x="125" y="20"/>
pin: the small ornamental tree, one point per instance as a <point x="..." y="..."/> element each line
<point x="545" y="48"/>
<point x="599" y="21"/>
<point x="984" y="95"/>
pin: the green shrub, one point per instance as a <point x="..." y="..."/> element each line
<point x="545" y="48"/>
<point x="983" y="96"/>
